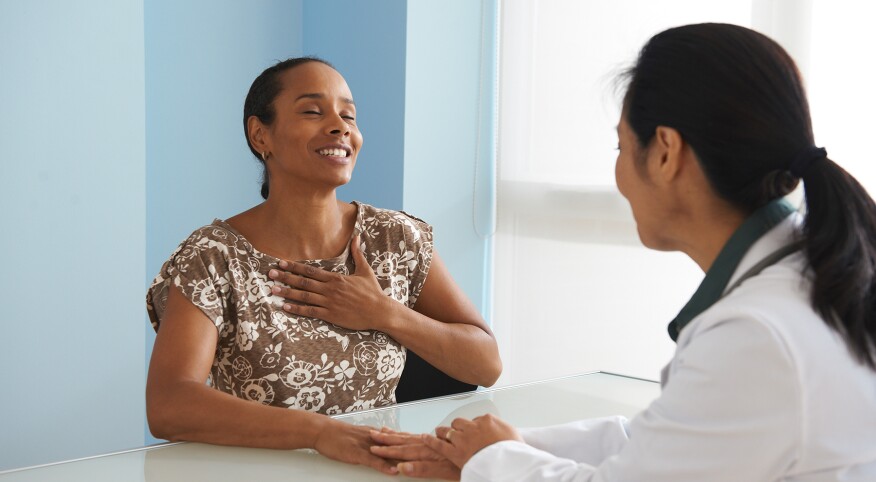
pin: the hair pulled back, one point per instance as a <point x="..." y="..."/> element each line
<point x="736" y="97"/>
<point x="260" y="103"/>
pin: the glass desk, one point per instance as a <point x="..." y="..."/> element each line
<point x="533" y="404"/>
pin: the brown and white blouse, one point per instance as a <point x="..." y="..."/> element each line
<point x="267" y="355"/>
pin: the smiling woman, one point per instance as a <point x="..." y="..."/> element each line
<point x="303" y="301"/>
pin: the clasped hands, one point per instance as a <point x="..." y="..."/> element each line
<point x="355" y="302"/>
<point x="443" y="455"/>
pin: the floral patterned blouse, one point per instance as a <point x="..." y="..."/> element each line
<point x="267" y="355"/>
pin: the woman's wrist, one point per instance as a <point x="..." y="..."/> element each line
<point x="391" y="313"/>
<point x="305" y="428"/>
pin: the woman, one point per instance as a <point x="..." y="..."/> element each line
<point x="774" y="376"/>
<point x="323" y="335"/>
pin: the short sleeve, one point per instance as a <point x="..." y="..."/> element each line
<point x="418" y="238"/>
<point x="199" y="269"/>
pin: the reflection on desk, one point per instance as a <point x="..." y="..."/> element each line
<point x="535" y="404"/>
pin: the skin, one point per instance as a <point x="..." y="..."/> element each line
<point x="302" y="219"/>
<point x="675" y="209"/>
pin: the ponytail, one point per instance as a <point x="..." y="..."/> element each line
<point x="840" y="244"/>
<point x="736" y="97"/>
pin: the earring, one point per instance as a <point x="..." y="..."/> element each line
<point x="265" y="156"/>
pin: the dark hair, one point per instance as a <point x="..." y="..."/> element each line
<point x="260" y="102"/>
<point x="736" y="97"/>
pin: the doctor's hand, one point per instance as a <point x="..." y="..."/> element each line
<point x="464" y="438"/>
<point x="355" y="302"/>
<point x="415" y="459"/>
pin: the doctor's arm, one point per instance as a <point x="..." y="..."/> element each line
<point x="724" y="416"/>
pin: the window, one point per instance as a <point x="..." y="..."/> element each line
<point x="574" y="289"/>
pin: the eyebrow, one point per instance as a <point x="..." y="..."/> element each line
<point x="346" y="100"/>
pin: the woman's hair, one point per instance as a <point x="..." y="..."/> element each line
<point x="736" y="97"/>
<point x="260" y="102"/>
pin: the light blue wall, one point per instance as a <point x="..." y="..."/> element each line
<point x="72" y="203"/>
<point x="419" y="79"/>
<point x="365" y="41"/>
<point x="449" y="133"/>
<point x="121" y="132"/>
<point x="201" y="57"/>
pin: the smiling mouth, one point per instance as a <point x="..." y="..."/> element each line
<point x="334" y="152"/>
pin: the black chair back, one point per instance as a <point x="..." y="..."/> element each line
<point x="421" y="380"/>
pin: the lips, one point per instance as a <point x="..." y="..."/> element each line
<point x="334" y="151"/>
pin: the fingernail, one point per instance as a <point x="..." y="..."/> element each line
<point x="273" y="273"/>
<point x="393" y="470"/>
<point x="405" y="467"/>
<point x="275" y="289"/>
<point x="283" y="264"/>
<point x="287" y="307"/>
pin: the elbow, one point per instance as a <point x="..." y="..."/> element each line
<point x="157" y="419"/>
<point x="492" y="371"/>
<point x="160" y="417"/>
<point x="490" y="367"/>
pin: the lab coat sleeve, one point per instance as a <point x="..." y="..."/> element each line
<point x="586" y="441"/>
<point x="730" y="411"/>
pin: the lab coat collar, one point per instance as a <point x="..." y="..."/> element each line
<point x="729" y="261"/>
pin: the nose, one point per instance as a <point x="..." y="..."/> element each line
<point x="338" y="126"/>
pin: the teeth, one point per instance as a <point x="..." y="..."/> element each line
<point x="333" y="152"/>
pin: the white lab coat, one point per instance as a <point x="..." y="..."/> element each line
<point x="759" y="389"/>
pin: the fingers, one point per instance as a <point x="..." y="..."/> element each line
<point x="300" y="296"/>
<point x="362" y="265"/>
<point x="461" y="424"/>
<point x="300" y="275"/>
<point x="441" y="432"/>
<point x="442" y="447"/>
<point x="416" y="451"/>
<point x="308" y="311"/>
<point x="429" y="469"/>
<point x="380" y="464"/>
<point x="393" y="438"/>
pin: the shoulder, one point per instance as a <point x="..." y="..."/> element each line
<point x="778" y="294"/>
<point x="768" y="318"/>
<point x="212" y="242"/>
<point x="388" y="221"/>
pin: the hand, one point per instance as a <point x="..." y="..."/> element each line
<point x="355" y="302"/>
<point x="415" y="458"/>
<point x="350" y="443"/>
<point x="464" y="438"/>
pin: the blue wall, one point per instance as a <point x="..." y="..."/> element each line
<point x="365" y="41"/>
<point x="450" y="134"/>
<point x="201" y="57"/>
<point x="121" y="132"/>
<point x="423" y="77"/>
<point x="72" y="205"/>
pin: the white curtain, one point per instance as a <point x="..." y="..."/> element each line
<point x="574" y="289"/>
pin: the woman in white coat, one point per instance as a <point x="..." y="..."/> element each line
<point x="774" y="376"/>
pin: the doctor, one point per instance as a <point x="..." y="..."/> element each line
<point x="774" y="376"/>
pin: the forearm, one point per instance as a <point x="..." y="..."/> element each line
<point x="462" y="350"/>
<point x="192" y="411"/>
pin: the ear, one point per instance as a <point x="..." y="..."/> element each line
<point x="668" y="148"/>
<point x="259" y="134"/>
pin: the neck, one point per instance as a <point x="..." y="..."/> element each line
<point x="298" y="227"/>
<point x="706" y="233"/>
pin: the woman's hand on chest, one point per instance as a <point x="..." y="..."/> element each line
<point x="355" y="302"/>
